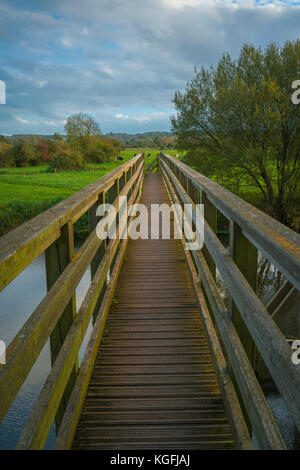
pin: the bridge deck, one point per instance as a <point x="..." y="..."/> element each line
<point x="153" y="384"/>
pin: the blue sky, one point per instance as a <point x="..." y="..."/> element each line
<point x="120" y="61"/>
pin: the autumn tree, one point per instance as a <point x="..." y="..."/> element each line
<point x="240" y="114"/>
<point x="23" y="154"/>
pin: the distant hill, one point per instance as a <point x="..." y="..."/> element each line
<point x="30" y="137"/>
<point x="142" y="140"/>
<point x="146" y="139"/>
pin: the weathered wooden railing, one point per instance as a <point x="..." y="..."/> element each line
<point x="55" y="317"/>
<point x="246" y="324"/>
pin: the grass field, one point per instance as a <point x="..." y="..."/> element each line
<point x="26" y="192"/>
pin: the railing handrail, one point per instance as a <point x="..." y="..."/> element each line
<point x="21" y="246"/>
<point x="277" y="242"/>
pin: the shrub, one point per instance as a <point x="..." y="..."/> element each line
<point x="101" y="152"/>
<point x="23" y="154"/>
<point x="67" y="159"/>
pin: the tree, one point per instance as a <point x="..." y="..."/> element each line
<point x="80" y="128"/>
<point x="57" y="136"/>
<point x="23" y="154"/>
<point x="42" y="150"/>
<point x="6" y="159"/>
<point x="241" y="113"/>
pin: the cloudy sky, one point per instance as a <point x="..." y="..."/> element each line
<point x="120" y="60"/>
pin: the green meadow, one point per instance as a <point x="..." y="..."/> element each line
<point x="26" y="192"/>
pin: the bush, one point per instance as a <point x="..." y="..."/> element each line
<point x="23" y="154"/>
<point x="6" y="159"/>
<point x="42" y="151"/>
<point x="67" y="159"/>
<point x="101" y="152"/>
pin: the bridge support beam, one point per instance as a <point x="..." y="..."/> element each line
<point x="210" y="215"/>
<point x="244" y="254"/>
<point x="100" y="253"/>
<point x="57" y="257"/>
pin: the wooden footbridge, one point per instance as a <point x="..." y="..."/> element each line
<point x="168" y="364"/>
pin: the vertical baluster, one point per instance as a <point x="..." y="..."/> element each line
<point x="113" y="194"/>
<point x="100" y="252"/>
<point x="244" y="254"/>
<point x="210" y="215"/>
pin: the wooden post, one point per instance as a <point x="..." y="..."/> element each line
<point x="57" y="257"/>
<point x="100" y="253"/>
<point x="244" y="254"/>
<point x="210" y="215"/>
<point x="113" y="193"/>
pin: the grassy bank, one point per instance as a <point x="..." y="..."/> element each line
<point x="252" y="194"/>
<point x="26" y="192"/>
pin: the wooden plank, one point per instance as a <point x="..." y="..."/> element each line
<point x="153" y="403"/>
<point x="146" y="356"/>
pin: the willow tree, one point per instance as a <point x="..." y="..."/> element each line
<point x="241" y="115"/>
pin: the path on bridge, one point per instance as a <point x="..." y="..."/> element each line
<point x="153" y="383"/>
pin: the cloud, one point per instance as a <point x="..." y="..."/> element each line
<point x="151" y="117"/>
<point x="121" y="61"/>
<point x="25" y="121"/>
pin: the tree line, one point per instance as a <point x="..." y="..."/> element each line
<point x="160" y="140"/>
<point x="83" y="143"/>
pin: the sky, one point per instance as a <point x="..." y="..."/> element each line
<point x="120" y="61"/>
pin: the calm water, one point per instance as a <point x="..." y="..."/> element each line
<point x="23" y="295"/>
